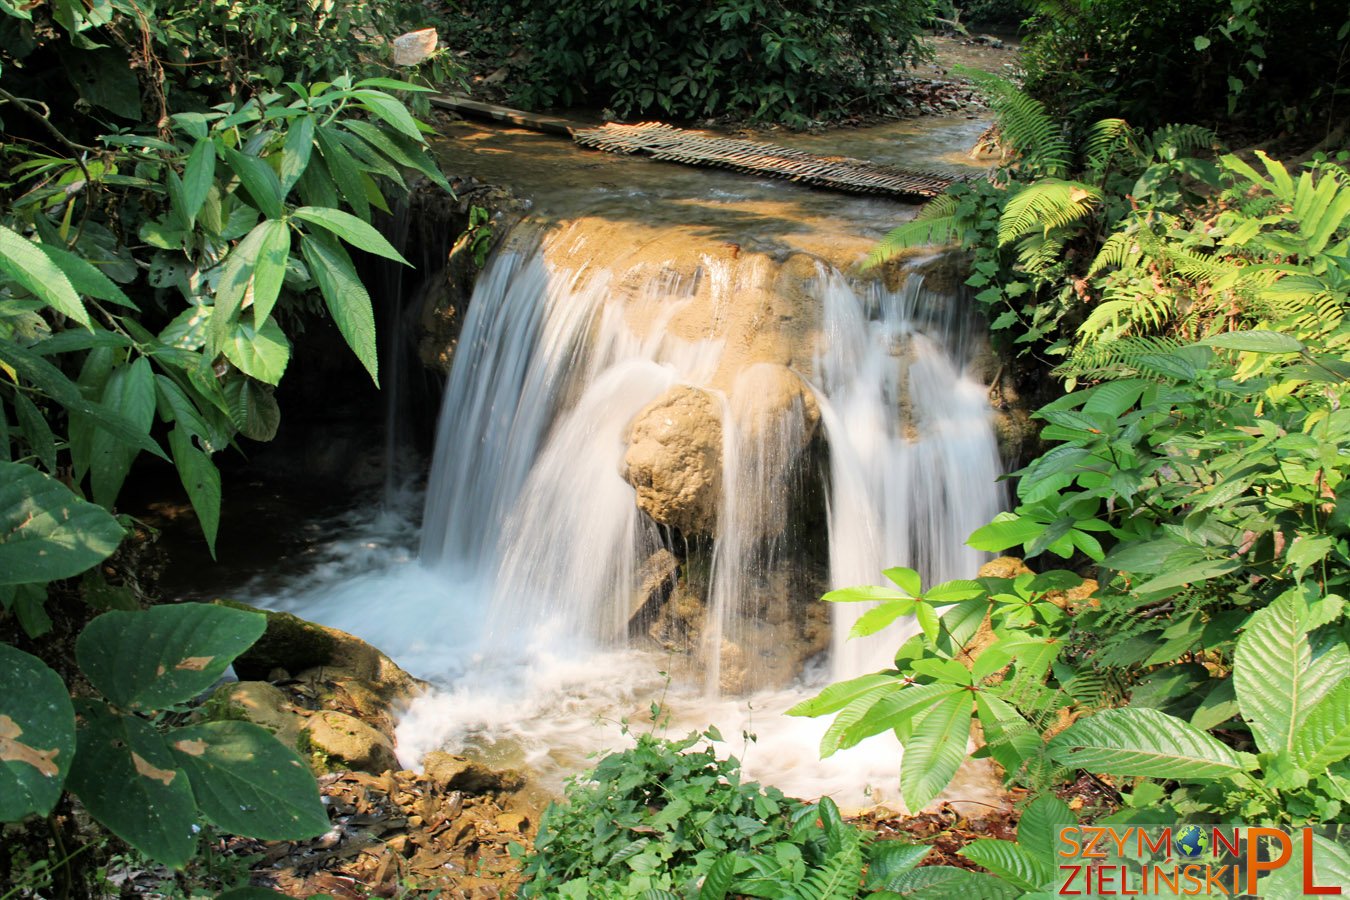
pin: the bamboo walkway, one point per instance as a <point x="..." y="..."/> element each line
<point x="665" y="142"/>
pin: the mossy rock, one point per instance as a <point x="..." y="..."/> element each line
<point x="289" y="643"/>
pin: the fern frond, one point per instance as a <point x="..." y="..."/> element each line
<point x="840" y="876"/>
<point x="1025" y="126"/>
<point x="1119" y="357"/>
<point x="1106" y="139"/>
<point x="936" y="224"/>
<point x="1038" y="253"/>
<point x="1121" y="250"/>
<point x="1173" y="141"/>
<point x="1046" y="204"/>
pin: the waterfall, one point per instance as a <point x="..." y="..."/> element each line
<point x="913" y="454"/>
<point x="560" y="353"/>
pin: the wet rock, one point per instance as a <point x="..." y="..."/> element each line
<point x="674" y="460"/>
<point x="456" y="773"/>
<point x="350" y="742"/>
<point x="289" y="643"/>
<point x="656" y="581"/>
<point x="260" y="703"/>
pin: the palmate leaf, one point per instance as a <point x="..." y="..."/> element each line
<point x="837" y="696"/>
<point x="1145" y="743"/>
<point x="935" y="749"/>
<point x="894" y="710"/>
<point x="1010" y="862"/>
<point x="1281" y="674"/>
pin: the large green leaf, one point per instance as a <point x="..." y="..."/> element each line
<point x="842" y="693"/>
<point x="889" y="859"/>
<point x="46" y="532"/>
<point x="253" y="408"/>
<point x="164" y="655"/>
<point x="128" y="780"/>
<point x="1256" y="342"/>
<point x="935" y="749"/>
<point x="1038" y="829"/>
<point x="249" y="783"/>
<point x="951" y="883"/>
<point x="34" y="271"/>
<point x="355" y="231"/>
<point x="270" y="270"/>
<point x="1324" y="737"/>
<point x="346" y="297"/>
<point x="201" y="480"/>
<point x="1280" y="674"/>
<point x="131" y="392"/>
<point x="1005" y="531"/>
<point x="199" y="174"/>
<point x="1010" y="862"/>
<point x="1143" y="742"/>
<point x="86" y="279"/>
<point x="718" y="880"/>
<point x="37" y="735"/>
<point x="894" y="710"/>
<point x="260" y="353"/>
<point x="258" y="179"/>
<point x="235" y="284"/>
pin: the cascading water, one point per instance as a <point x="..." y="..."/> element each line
<point x="913" y="455"/>
<point x="820" y="428"/>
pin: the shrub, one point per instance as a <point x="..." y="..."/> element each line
<point x="780" y="60"/>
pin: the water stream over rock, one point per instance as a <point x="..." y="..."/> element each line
<point x="672" y="421"/>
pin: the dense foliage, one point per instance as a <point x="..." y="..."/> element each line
<point x="1278" y="63"/>
<point x="167" y="223"/>
<point x="1196" y="468"/>
<point x="780" y="60"/>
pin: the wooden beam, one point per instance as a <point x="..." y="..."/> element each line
<point x="478" y="110"/>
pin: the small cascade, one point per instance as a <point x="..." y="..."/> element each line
<point x="913" y="454"/>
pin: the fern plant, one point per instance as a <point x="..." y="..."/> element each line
<point x="1053" y="206"/>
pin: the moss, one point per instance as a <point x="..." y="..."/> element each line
<point x="289" y="643"/>
<point x="218" y="707"/>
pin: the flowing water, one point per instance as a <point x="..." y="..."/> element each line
<point x="825" y="426"/>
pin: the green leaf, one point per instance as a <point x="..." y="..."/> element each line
<point x="1145" y="743"/>
<point x="1324" y="737"/>
<point x="1280" y="674"/>
<point x="37" y="735"/>
<point x="346" y="298"/>
<point x="935" y="749"/>
<point x="1256" y="341"/>
<point x="718" y="880"/>
<point x="296" y="151"/>
<point x="1203" y="570"/>
<point x="249" y="783"/>
<point x="253" y="409"/>
<point x="199" y="174"/>
<point x="1007" y="530"/>
<point x="344" y="170"/>
<point x="258" y="179"/>
<point x="235" y="285"/>
<point x="1218" y="707"/>
<point x="413" y="157"/>
<point x="270" y="268"/>
<point x="876" y="619"/>
<point x="1010" y="862"/>
<point x="906" y="579"/>
<point x="389" y="111"/>
<point x="354" y="231"/>
<point x="1038" y="829"/>
<point x="951" y="883"/>
<point x="894" y="710"/>
<point x="864" y="593"/>
<point x="86" y="278"/>
<point x="166" y="654"/>
<point x="131" y="392"/>
<point x="46" y="532"/>
<point x="34" y="271"/>
<point x="200" y="479"/>
<point x="262" y="353"/>
<point x="36" y="431"/>
<point x="841" y="694"/>
<point x="891" y="858"/>
<point x="126" y="777"/>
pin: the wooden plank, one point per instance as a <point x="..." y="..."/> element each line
<point x="478" y="110"/>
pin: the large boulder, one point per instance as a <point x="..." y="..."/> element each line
<point x="674" y="459"/>
<point x="349" y="742"/>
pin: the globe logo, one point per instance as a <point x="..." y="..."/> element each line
<point x="1190" y="842"/>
